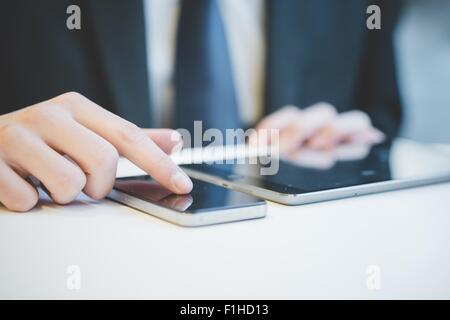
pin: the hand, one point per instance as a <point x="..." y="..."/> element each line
<point x="316" y="127"/>
<point x="70" y="144"/>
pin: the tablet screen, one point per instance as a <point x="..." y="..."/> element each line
<point x="310" y="171"/>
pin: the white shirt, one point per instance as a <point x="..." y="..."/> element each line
<point x="244" y="27"/>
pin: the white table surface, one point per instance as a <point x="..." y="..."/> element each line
<point x="322" y="250"/>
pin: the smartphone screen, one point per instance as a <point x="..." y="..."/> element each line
<point x="204" y="196"/>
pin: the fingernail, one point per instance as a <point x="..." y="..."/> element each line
<point x="181" y="182"/>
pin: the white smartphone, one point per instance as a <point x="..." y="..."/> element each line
<point x="207" y="203"/>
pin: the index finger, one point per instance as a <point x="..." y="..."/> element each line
<point x="130" y="141"/>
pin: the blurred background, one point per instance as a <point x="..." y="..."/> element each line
<point x="423" y="60"/>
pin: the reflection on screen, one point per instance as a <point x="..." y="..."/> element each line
<point x="204" y="196"/>
<point x="353" y="165"/>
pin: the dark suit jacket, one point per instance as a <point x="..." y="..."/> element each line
<point x="317" y="50"/>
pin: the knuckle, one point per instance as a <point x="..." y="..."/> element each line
<point x="68" y="186"/>
<point x="326" y="107"/>
<point x="103" y="169"/>
<point x="70" y="100"/>
<point x="99" y="192"/>
<point x="129" y="133"/>
<point x="290" y="110"/>
<point x="326" y="111"/>
<point x="71" y="96"/>
<point x="106" y="157"/>
<point x="361" y="116"/>
<point x="10" y="131"/>
<point x="11" y="136"/>
<point x="40" y="113"/>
